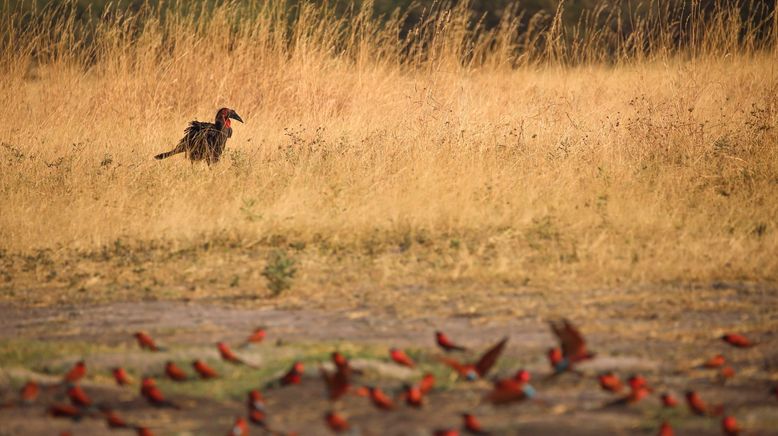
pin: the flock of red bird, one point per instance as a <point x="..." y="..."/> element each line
<point x="339" y="382"/>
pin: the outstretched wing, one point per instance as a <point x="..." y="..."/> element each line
<point x="573" y="343"/>
<point x="489" y="358"/>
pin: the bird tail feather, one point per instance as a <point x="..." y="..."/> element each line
<point x="165" y="154"/>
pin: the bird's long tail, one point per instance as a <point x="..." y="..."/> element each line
<point x="166" y="154"/>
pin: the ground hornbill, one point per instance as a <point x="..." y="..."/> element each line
<point x="205" y="140"/>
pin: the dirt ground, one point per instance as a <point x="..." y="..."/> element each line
<point x="664" y="341"/>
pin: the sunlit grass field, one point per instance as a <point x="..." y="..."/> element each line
<point x="450" y="156"/>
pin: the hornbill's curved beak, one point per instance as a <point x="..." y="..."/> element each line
<point x="234" y="116"/>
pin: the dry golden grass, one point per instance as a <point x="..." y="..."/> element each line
<point x="454" y="155"/>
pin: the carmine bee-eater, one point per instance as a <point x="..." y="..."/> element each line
<point x="637" y="381"/>
<point x="153" y="395"/>
<point x="726" y="373"/>
<point x="737" y="340"/>
<point x="668" y="400"/>
<point x="205" y="371"/>
<point x="665" y="429"/>
<point x="143" y="431"/>
<point x="258" y="418"/>
<point x="413" y="396"/>
<point x="65" y="411"/>
<point x="337" y="382"/>
<point x="29" y="392"/>
<point x="510" y="390"/>
<point x="145" y="342"/>
<point x="471" y="424"/>
<point x="445" y="432"/>
<point x="113" y="420"/>
<point x="121" y="377"/>
<point x="294" y="376"/>
<point x="716" y="361"/>
<point x="474" y="371"/>
<point x="78" y="397"/>
<point x="336" y="422"/>
<point x="610" y="382"/>
<point x="557" y="361"/>
<point x="399" y="357"/>
<point x="427" y="383"/>
<point x="343" y="365"/>
<point x="174" y="372"/>
<point x="255" y="338"/>
<point x="639" y="390"/>
<point x="729" y="426"/>
<point x="380" y="399"/>
<point x="239" y="428"/>
<point x="447" y="344"/>
<point x="698" y="406"/>
<point x="255" y="400"/>
<point x="572" y="344"/>
<point x="227" y="355"/>
<point x="76" y="373"/>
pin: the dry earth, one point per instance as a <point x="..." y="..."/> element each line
<point x="663" y="340"/>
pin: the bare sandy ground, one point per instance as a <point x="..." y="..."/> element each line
<point x="572" y="404"/>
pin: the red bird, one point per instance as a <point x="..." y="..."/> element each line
<point x="669" y="401"/>
<point x="639" y="390"/>
<point x="726" y="373"/>
<point x="78" y="397"/>
<point x="379" y="399"/>
<point x="473" y="371"/>
<point x="572" y="343"/>
<point x="427" y="383"/>
<point x="446" y="344"/>
<point x="294" y="376"/>
<point x="338" y="382"/>
<point x="737" y="340"/>
<point x="555" y="359"/>
<point x="255" y="338"/>
<point x="413" y="396"/>
<point x="637" y="381"/>
<point x="114" y="420"/>
<point x="153" y="395"/>
<point x="336" y="422"/>
<point x="65" y="411"/>
<point x="76" y="373"/>
<point x="510" y="390"/>
<point x="471" y="425"/>
<point x="146" y="342"/>
<point x="399" y="357"/>
<point x="716" y="361"/>
<point x="205" y="371"/>
<point x="255" y="400"/>
<point x="229" y="356"/>
<point x="695" y="403"/>
<point x="174" y="372"/>
<point x="121" y="377"/>
<point x="257" y="417"/>
<point x="665" y="429"/>
<point x="29" y="392"/>
<point x="610" y="382"/>
<point x="729" y="426"/>
<point x="446" y="432"/>
<point x="240" y="428"/>
<point x="143" y="431"/>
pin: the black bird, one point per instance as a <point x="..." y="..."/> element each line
<point x="205" y="140"/>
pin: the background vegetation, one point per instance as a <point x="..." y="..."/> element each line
<point x="595" y="145"/>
